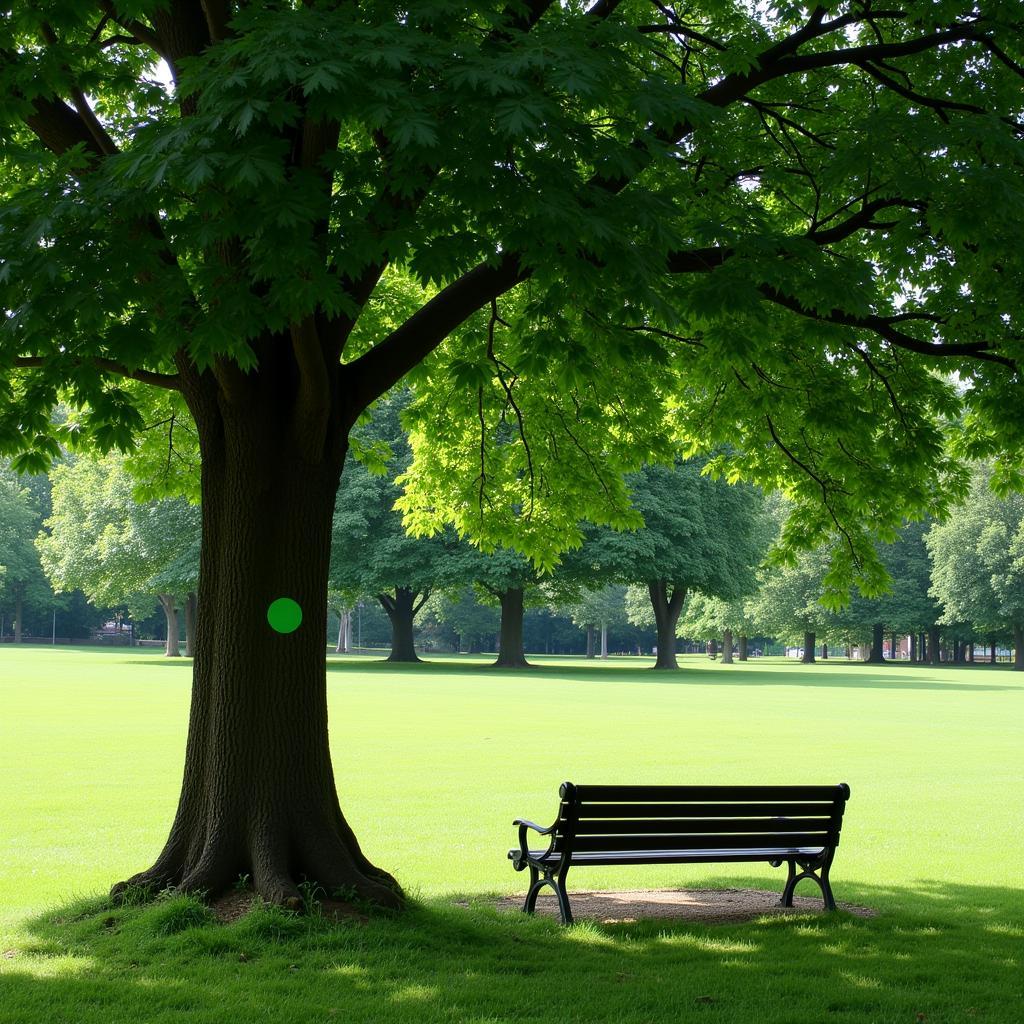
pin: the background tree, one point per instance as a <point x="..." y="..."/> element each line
<point x="21" y="582"/>
<point x="699" y="534"/>
<point x="599" y="610"/>
<point x="787" y="604"/>
<point x="712" y="617"/>
<point x="119" y="551"/>
<point x="978" y="564"/>
<point x="301" y="221"/>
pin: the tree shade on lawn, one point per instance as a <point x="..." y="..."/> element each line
<point x="303" y="219"/>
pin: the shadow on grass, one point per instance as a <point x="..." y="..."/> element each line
<point x="937" y="952"/>
<point x="864" y="676"/>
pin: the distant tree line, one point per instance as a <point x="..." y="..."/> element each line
<point x="95" y="542"/>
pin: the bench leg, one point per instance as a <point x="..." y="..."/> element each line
<point x="816" y="870"/>
<point x="563" y="897"/>
<point x="535" y="886"/>
<point x="557" y="882"/>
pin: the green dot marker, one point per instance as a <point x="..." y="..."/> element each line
<point x="284" y="615"/>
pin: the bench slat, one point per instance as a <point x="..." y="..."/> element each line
<point x="673" y="842"/>
<point x="689" y="826"/>
<point x="681" y="794"/>
<point x="705" y="810"/>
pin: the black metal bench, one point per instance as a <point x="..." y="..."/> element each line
<point x="798" y="825"/>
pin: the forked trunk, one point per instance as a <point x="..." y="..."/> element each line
<point x="170" y="607"/>
<point x="808" y="655"/>
<point x="877" y="656"/>
<point x="402" y="607"/>
<point x="727" y="647"/>
<point x="667" y="609"/>
<point x="741" y="653"/>
<point x="190" y="625"/>
<point x="258" y="797"/>
<point x="510" y="639"/>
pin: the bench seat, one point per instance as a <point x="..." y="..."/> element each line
<point x="795" y="825"/>
<point x="779" y="853"/>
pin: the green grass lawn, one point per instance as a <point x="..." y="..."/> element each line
<point x="433" y="762"/>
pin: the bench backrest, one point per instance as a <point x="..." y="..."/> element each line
<point x="600" y="818"/>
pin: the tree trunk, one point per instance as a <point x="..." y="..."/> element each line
<point x="727" y="647"/>
<point x="258" y="796"/>
<point x="190" y="626"/>
<point x="992" y="647"/>
<point x="18" y="611"/>
<point x="933" y="645"/>
<point x="808" y="658"/>
<point x="741" y="644"/>
<point x="510" y="640"/>
<point x="170" y="607"/>
<point x="824" y="652"/>
<point x="401" y="610"/>
<point x="893" y="647"/>
<point x="713" y="649"/>
<point x="590" y="642"/>
<point x="913" y="648"/>
<point x="666" y="616"/>
<point x="970" y="653"/>
<point x="877" y="655"/>
<point x="1018" y="647"/>
<point x="604" y="640"/>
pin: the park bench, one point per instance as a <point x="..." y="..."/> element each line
<point x="798" y="825"/>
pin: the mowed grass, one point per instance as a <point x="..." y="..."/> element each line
<point x="434" y="761"/>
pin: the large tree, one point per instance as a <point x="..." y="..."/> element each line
<point x="798" y="215"/>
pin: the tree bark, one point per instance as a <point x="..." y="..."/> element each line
<point x="992" y="647"/>
<point x="1018" y="647"/>
<point x="604" y="640"/>
<point x="590" y="642"/>
<point x="510" y="638"/>
<point x="741" y="653"/>
<point x="913" y="648"/>
<point x="727" y="647"/>
<point x="933" y="645"/>
<point x="970" y="653"/>
<point x="877" y="655"/>
<point x="258" y="796"/>
<point x="824" y="652"/>
<point x="190" y="626"/>
<point x="172" y="647"/>
<point x="401" y="610"/>
<point x="667" y="609"/>
<point x="808" y="658"/>
<point x="18" y="612"/>
<point x="893" y="647"/>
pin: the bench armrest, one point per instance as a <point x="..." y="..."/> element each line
<point x="521" y="856"/>
<point x="524" y="824"/>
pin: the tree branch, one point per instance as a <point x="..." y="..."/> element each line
<point x="169" y="381"/>
<point x="373" y="374"/>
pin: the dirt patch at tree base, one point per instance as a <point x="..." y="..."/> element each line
<point x="703" y="906"/>
<point x="233" y="906"/>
